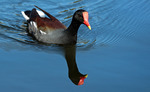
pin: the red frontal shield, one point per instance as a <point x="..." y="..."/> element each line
<point x="86" y="17"/>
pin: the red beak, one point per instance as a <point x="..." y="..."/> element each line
<point x="81" y="81"/>
<point x="86" y="17"/>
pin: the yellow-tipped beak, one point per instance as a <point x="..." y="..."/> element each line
<point x="89" y="27"/>
<point x="86" y="76"/>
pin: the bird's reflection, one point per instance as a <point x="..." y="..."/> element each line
<point x="73" y="72"/>
<point x="69" y="50"/>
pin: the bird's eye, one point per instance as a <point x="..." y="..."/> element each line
<point x="80" y="16"/>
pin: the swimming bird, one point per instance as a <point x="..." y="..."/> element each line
<point x="48" y="29"/>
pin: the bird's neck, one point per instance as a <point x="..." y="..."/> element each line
<point x="73" y="28"/>
<point x="70" y="55"/>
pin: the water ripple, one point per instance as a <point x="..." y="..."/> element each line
<point x="111" y="20"/>
<point x="117" y="20"/>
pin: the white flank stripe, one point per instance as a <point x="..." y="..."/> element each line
<point x="34" y="24"/>
<point x="31" y="23"/>
<point x="42" y="32"/>
<point x="24" y="15"/>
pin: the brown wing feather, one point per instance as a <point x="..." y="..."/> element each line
<point x="46" y="23"/>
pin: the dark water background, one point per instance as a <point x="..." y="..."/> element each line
<point x="115" y="54"/>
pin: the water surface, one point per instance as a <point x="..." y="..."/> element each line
<point x="115" y="54"/>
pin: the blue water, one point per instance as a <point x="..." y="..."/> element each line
<point x="115" y="54"/>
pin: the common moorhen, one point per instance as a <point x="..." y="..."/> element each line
<point x="51" y="30"/>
